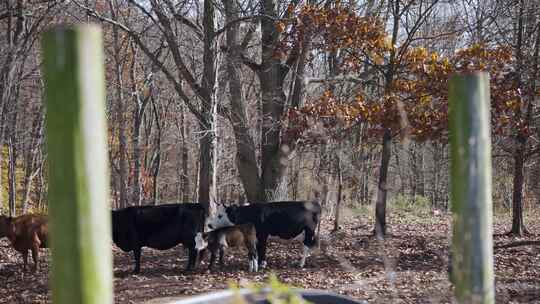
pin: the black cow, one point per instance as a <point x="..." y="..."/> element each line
<point x="160" y="227"/>
<point x="286" y="220"/>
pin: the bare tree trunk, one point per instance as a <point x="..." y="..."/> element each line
<point x="185" y="159"/>
<point x="339" y="191"/>
<point x="156" y="157"/>
<point x="122" y="149"/>
<point x="136" y="188"/>
<point x="41" y="189"/>
<point x="31" y="156"/>
<point x="323" y="177"/>
<point x="413" y="182"/>
<point x="400" y="173"/>
<point x="271" y="76"/>
<point x="436" y="166"/>
<point x="295" y="178"/>
<point x="12" y="175"/>
<point x="214" y="192"/>
<point x="207" y="102"/>
<point x="246" y="159"/>
<point x="138" y="111"/>
<point x="12" y="148"/>
<point x="205" y="166"/>
<point x="518" y="227"/>
<point x="365" y="174"/>
<point x="420" y="170"/>
<point x="380" y="207"/>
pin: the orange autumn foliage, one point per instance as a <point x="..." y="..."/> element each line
<point x="418" y="90"/>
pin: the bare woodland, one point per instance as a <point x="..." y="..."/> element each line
<point x="199" y="94"/>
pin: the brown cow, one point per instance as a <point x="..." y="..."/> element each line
<point x="219" y="240"/>
<point x="26" y="232"/>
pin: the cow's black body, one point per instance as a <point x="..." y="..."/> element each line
<point x="160" y="227"/>
<point x="283" y="219"/>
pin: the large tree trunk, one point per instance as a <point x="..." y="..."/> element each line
<point x="207" y="102"/>
<point x="380" y="207"/>
<point x="271" y="78"/>
<point x="205" y="166"/>
<point x="246" y="159"/>
<point x="518" y="227"/>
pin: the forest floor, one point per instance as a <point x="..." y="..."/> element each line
<point x="410" y="267"/>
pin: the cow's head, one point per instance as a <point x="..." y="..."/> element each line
<point x="223" y="217"/>
<point x="6" y="226"/>
<point x="201" y="241"/>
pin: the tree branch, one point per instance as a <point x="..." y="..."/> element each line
<point x="178" y="87"/>
<point x="195" y="27"/>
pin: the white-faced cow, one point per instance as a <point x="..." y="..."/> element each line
<point x="286" y="220"/>
<point x="160" y="227"/>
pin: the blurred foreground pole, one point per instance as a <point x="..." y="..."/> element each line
<point x="79" y="214"/>
<point x="472" y="248"/>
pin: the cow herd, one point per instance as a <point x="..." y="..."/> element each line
<point x="164" y="226"/>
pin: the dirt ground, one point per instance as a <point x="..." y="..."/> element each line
<point x="410" y="267"/>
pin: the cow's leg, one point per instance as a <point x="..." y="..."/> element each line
<point x="137" y="256"/>
<point x="36" y="243"/>
<point x="25" y="259"/>
<point x="192" y="256"/>
<point x="252" y="256"/>
<point x="221" y="254"/>
<point x="261" y="250"/>
<point x="201" y="254"/>
<point x="213" y="254"/>
<point x="212" y="259"/>
<point x="305" y="253"/>
<point x="309" y="242"/>
<point x="35" y="257"/>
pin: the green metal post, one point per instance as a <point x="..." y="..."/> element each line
<point x="79" y="214"/>
<point x="472" y="248"/>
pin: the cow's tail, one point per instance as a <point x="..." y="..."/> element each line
<point x="318" y="218"/>
<point x="312" y="233"/>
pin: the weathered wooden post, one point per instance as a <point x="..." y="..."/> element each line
<point x="472" y="248"/>
<point x="79" y="214"/>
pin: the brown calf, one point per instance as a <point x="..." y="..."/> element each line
<point x="235" y="236"/>
<point x="26" y="232"/>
